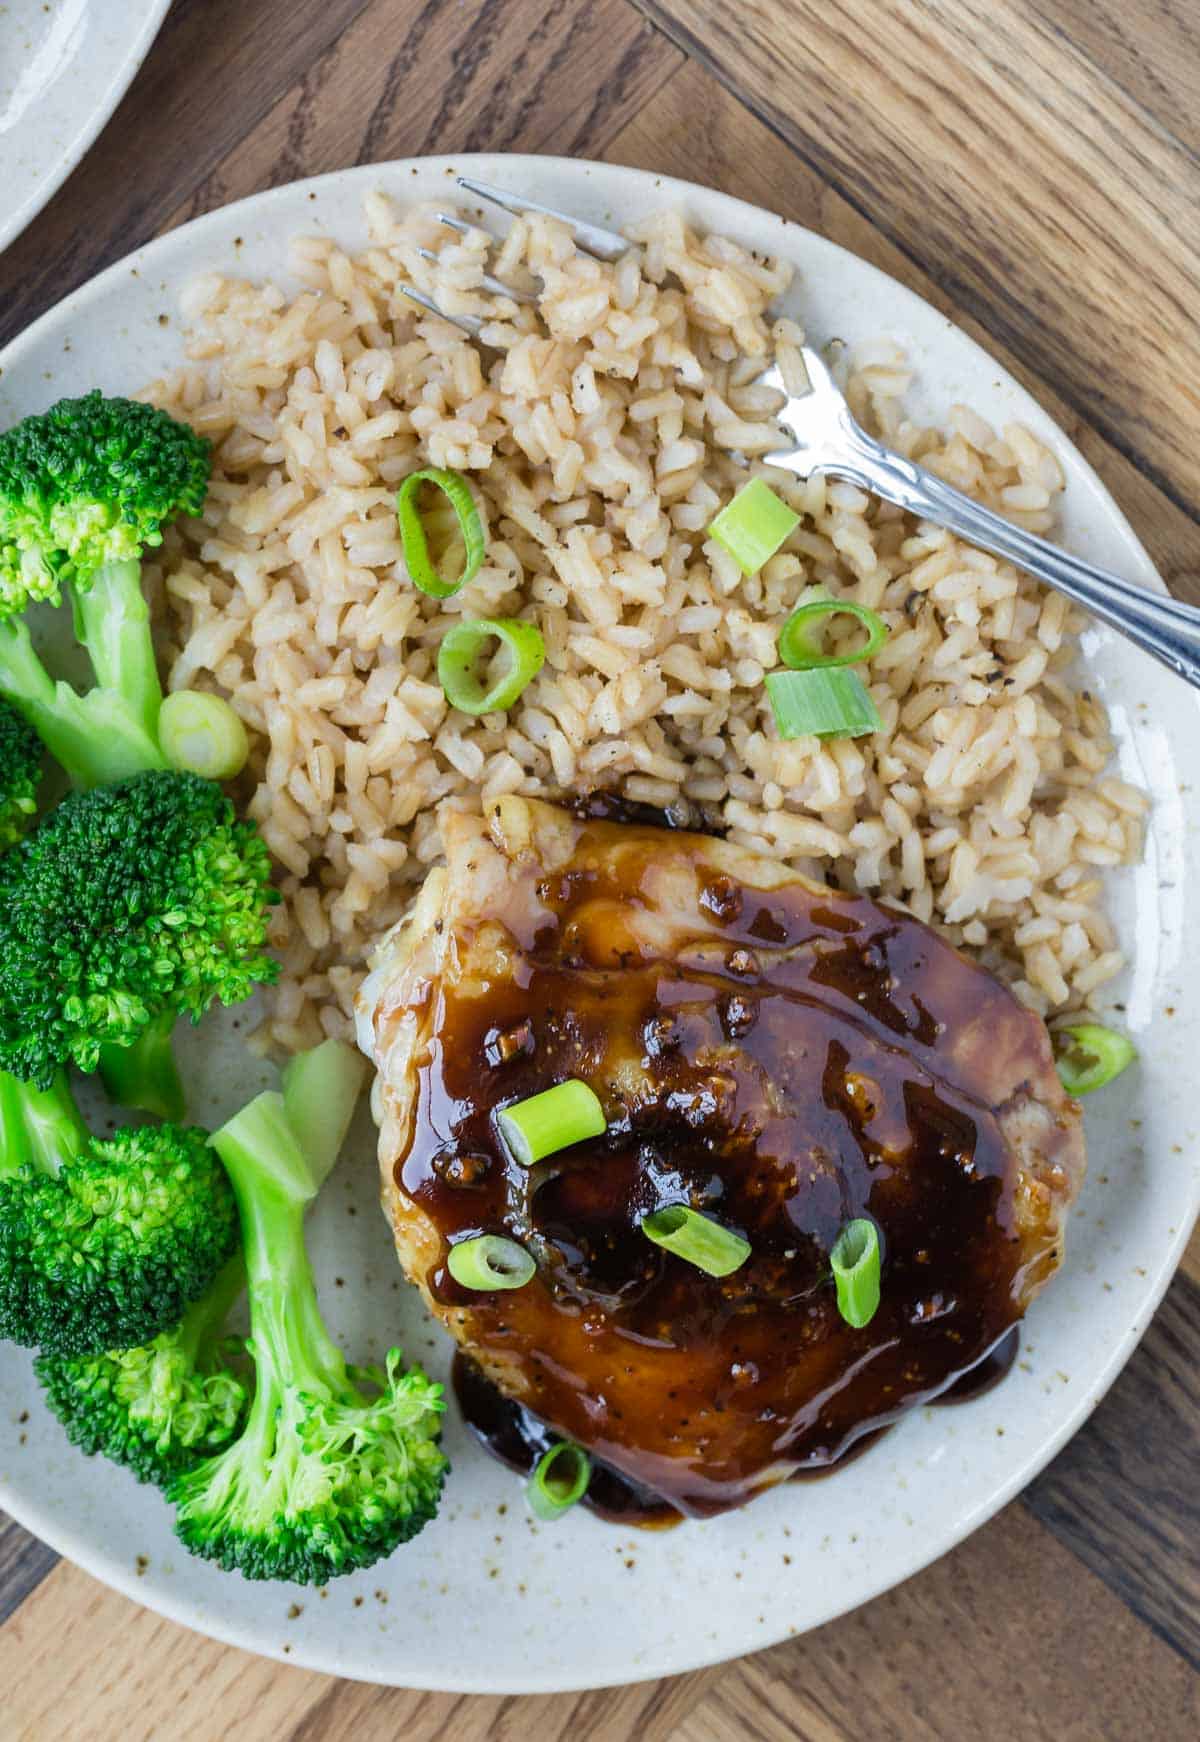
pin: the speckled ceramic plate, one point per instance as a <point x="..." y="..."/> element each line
<point x="486" y="1599"/>
<point x="64" y="67"/>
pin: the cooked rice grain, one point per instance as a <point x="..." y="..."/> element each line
<point x="602" y="429"/>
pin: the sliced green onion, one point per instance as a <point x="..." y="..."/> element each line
<point x="438" y="525"/>
<point x="856" y="1264"/>
<point x="469" y="677"/>
<point x="201" y="734"/>
<point x="800" y="640"/>
<point x="821" y="704"/>
<point x="1096" y="1055"/>
<point x="551" y="1121"/>
<point x="696" y="1239"/>
<point x="489" y="1262"/>
<point x="560" y="1479"/>
<point x="754" y="525"/>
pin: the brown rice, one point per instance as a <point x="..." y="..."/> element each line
<point x="601" y="429"/>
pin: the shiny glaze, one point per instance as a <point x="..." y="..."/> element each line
<point x="996" y="1365"/>
<point x="514" y="1435"/>
<point x="785" y="1066"/>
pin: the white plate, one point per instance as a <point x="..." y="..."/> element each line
<point x="485" y="1600"/>
<point x="64" y="67"/>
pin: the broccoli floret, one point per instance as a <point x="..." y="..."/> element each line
<point x="104" y="1242"/>
<point x="20" y="775"/>
<point x="337" y="1465"/>
<point x="87" y="483"/>
<point x="163" y="1406"/>
<point x="126" y="908"/>
<point x="84" y="488"/>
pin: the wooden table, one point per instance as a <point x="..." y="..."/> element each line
<point x="1032" y="167"/>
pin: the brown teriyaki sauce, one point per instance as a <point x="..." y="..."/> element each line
<point x="783" y="1060"/>
<point x="517" y="1438"/>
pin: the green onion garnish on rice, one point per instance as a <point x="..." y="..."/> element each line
<point x="201" y="734"/>
<point x="477" y="681"/>
<point x="1095" y="1056"/>
<point x="697" y="1239"/>
<point x="543" y="1124"/>
<point x="489" y="1263"/>
<point x="559" y="1481"/>
<point x="826" y="702"/>
<point x="856" y="1265"/>
<point x="754" y="525"/>
<point x="444" y="541"/>
<point x="800" y="645"/>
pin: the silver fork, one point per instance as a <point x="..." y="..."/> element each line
<point x="827" y="440"/>
<point x="592" y="238"/>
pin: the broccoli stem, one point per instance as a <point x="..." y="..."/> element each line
<point x="337" y="1465"/>
<point x="204" y="1320"/>
<point x="112" y="619"/>
<point x="320" y="1090"/>
<point x="274" y="1181"/>
<point x="12" y="1126"/>
<point x="38" y="1125"/>
<point x="145" y="1074"/>
<point x="259" y="1145"/>
<point x="290" y="1337"/>
<point x="277" y="1166"/>
<point x="98" y="738"/>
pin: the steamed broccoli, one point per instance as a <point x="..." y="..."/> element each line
<point x="104" y="1242"/>
<point x="336" y="1465"/>
<point x="164" y="1405"/>
<point x="84" y="488"/>
<point x="20" y="775"/>
<point x="126" y="908"/>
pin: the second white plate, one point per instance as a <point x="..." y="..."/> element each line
<point x="64" y="67"/>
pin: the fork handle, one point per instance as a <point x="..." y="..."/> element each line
<point x="1161" y="625"/>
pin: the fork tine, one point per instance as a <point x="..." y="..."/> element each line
<point x="471" y="324"/>
<point x="819" y="377"/>
<point x="592" y="238"/>
<point x="497" y="287"/>
<point x="795" y="413"/>
<point x="494" y="286"/>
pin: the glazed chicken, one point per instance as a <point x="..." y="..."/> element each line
<point x="775" y="1054"/>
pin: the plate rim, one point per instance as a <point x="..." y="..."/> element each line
<point x="99" y="1563"/>
<point x="122" y="76"/>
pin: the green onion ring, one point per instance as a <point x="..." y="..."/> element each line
<point x="800" y="647"/>
<point x="489" y="1263"/>
<point x="1096" y="1055"/>
<point x="414" y="537"/>
<point x="559" y="1480"/>
<point x="697" y="1239"/>
<point x="754" y="525"/>
<point x="459" y="657"/>
<point x="543" y="1124"/>
<point x="856" y="1267"/>
<point x="822" y="703"/>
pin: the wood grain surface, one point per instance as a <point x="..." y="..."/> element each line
<point x="1031" y="167"/>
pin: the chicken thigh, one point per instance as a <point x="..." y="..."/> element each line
<point x="779" y="1056"/>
